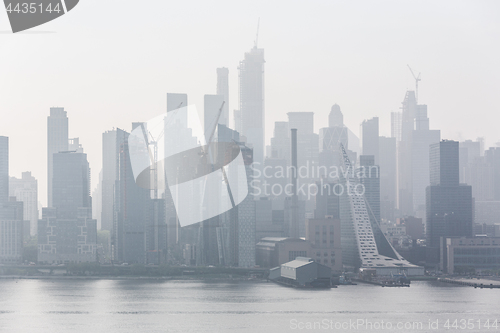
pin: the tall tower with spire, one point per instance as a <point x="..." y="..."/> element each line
<point x="335" y="118"/>
<point x="251" y="93"/>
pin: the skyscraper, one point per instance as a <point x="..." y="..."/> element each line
<point x="251" y="78"/>
<point x="369" y="177"/>
<point x="4" y="169"/>
<point x="67" y="233"/>
<point x="388" y="177"/>
<point x="444" y="163"/>
<point x="26" y="190"/>
<point x="335" y="118"/>
<point x="413" y="155"/>
<point x="11" y="213"/>
<point x="174" y="101"/>
<point x="223" y="89"/>
<point x="239" y="223"/>
<point x="369" y="137"/>
<point x="280" y="142"/>
<point x="360" y="248"/>
<point x="449" y="203"/>
<point x="132" y="208"/>
<point x="57" y="140"/>
<point x="110" y="152"/>
<point x="70" y="183"/>
<point x="396" y="125"/>
<point x="307" y="144"/>
<point x="212" y="105"/>
<point x="329" y="140"/>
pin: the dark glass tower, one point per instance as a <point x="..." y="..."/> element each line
<point x="448" y="203"/>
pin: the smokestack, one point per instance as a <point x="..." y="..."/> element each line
<point x="294" y="228"/>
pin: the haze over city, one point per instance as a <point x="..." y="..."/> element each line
<point x="111" y="63"/>
<point x="249" y="166"/>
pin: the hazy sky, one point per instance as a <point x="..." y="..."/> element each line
<point x="109" y="63"/>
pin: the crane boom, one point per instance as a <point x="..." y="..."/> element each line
<point x="417" y="78"/>
<point x="215" y="125"/>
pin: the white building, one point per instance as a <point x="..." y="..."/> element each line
<point x="26" y="190"/>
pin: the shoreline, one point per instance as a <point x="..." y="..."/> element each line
<point x="142" y="278"/>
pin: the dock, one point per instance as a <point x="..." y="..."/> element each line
<point x="476" y="283"/>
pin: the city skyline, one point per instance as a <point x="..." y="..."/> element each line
<point x="259" y="166"/>
<point x="455" y="79"/>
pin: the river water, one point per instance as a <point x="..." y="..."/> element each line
<point x="243" y="306"/>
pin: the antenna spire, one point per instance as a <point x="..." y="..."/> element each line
<point x="257" y="35"/>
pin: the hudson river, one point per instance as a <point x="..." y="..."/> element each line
<point x="197" y="306"/>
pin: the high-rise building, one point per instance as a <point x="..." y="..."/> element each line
<point x="369" y="137"/>
<point x="335" y="118"/>
<point x="329" y="140"/>
<point x="360" y="249"/>
<point x="4" y="169"/>
<point x="492" y="157"/>
<point x="265" y="224"/>
<point x="251" y="78"/>
<point x="26" y="190"/>
<point x="331" y="137"/>
<point x="132" y="209"/>
<point x="413" y="155"/>
<point x="182" y="132"/>
<point x="388" y="177"/>
<point x="444" y="163"/>
<point x="212" y="105"/>
<point x="223" y="89"/>
<point x="75" y="145"/>
<point x="67" y="240"/>
<point x="11" y="241"/>
<point x="97" y="202"/>
<point x="369" y="176"/>
<point x="396" y="125"/>
<point x="67" y="233"/>
<point x="70" y="184"/>
<point x="57" y="140"/>
<point x="327" y="199"/>
<point x="280" y="142"/>
<point x="11" y="213"/>
<point x="483" y="174"/>
<point x="307" y="145"/>
<point x="324" y="235"/>
<point x="421" y="140"/>
<point x="239" y="223"/>
<point x="449" y="203"/>
<point x="112" y="142"/>
<point x="470" y="152"/>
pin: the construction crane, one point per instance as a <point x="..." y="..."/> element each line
<point x="209" y="141"/>
<point x="154" y="162"/>
<point x="206" y="151"/>
<point x="417" y="78"/>
<point x="154" y="156"/>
